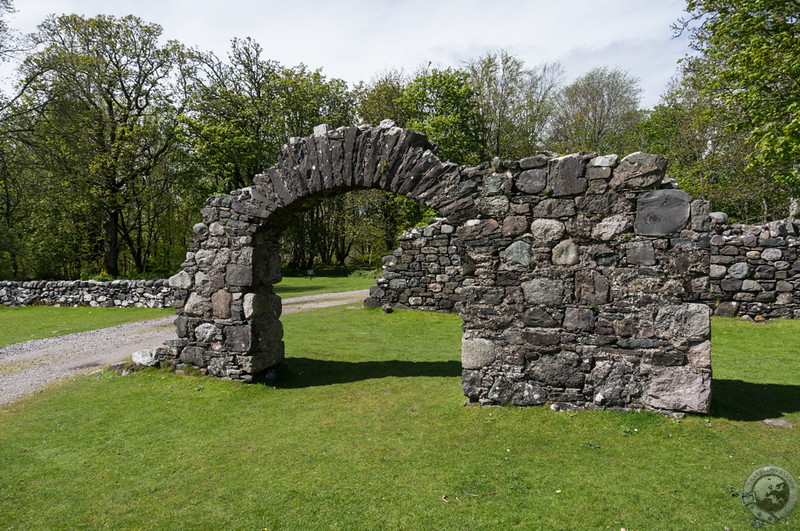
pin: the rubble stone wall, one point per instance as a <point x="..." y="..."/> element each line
<point x="577" y="274"/>
<point x="754" y="271"/>
<point x="116" y="293"/>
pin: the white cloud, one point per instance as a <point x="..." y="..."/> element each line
<point x="355" y="39"/>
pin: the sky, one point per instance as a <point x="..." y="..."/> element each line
<point x="357" y="39"/>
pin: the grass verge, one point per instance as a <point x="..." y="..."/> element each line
<point x="365" y="429"/>
<point x="300" y="286"/>
<point x="36" y="322"/>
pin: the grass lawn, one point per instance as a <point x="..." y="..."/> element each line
<point x="366" y="429"/>
<point x="300" y="286"/>
<point x="35" y="322"/>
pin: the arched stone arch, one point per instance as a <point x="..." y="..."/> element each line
<point x="576" y="270"/>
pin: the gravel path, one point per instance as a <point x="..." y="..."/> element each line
<point x="26" y="368"/>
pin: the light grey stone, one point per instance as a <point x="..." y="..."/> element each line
<point x="739" y="270"/>
<point x="681" y="388"/>
<point x="604" y="161"/>
<point x="181" y="280"/>
<point x="689" y="320"/>
<point x="566" y="253"/>
<point x="477" y="353"/>
<point x="771" y="254"/>
<point x="720" y="218"/>
<point x="205" y="332"/>
<point x="547" y="230"/>
<point x="611" y="227"/>
<point x="639" y="171"/>
<point x="543" y="291"/>
<point x="717" y="271"/>
<point x="518" y="252"/>
<point x="147" y="357"/>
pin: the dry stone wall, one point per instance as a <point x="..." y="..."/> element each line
<point x="578" y="275"/>
<point x="116" y="293"/>
<point x="755" y="270"/>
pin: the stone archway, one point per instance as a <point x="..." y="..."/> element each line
<point x="576" y="270"/>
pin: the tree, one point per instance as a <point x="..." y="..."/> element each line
<point x="597" y="112"/>
<point x="515" y="103"/>
<point x="749" y="57"/>
<point x="233" y="122"/>
<point x="442" y="105"/>
<point x="116" y="92"/>
<point x="380" y="99"/>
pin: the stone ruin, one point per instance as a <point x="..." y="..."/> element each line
<point x="578" y="276"/>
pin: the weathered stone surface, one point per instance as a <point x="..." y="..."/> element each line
<point x="611" y="227"/>
<point x="477" y="353"/>
<point x="531" y="181"/>
<point x="684" y="320"/>
<point x="639" y="171"/>
<point x="566" y="176"/>
<point x="739" y="270"/>
<point x="555" y="208"/>
<point x="700" y="355"/>
<point x="661" y="212"/>
<point x="680" y="388"/>
<point x="547" y="230"/>
<point x="579" y="320"/>
<point x="543" y="291"/>
<point x="591" y="287"/>
<point x="181" y="280"/>
<point x="605" y="161"/>
<point x="640" y="253"/>
<point x="519" y="253"/>
<point x="771" y="254"/>
<point x="205" y="333"/>
<point x="147" y="357"/>
<point x="515" y="226"/>
<point x="566" y="253"/>
<point x="195" y="306"/>
<point x="221" y="304"/>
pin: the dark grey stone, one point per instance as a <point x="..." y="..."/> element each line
<point x="661" y="212"/>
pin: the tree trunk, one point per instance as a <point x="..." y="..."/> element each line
<point x="794" y="207"/>
<point x="111" y="242"/>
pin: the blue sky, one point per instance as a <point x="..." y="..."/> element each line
<point x="356" y="39"/>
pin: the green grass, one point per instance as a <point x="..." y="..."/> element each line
<point x="366" y="429"/>
<point x="300" y="286"/>
<point x="36" y="322"/>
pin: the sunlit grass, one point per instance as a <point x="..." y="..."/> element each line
<point x="366" y="429"/>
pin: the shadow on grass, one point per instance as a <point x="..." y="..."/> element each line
<point x="307" y="372"/>
<point x="738" y="400"/>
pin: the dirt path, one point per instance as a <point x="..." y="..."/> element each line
<point x="26" y="368"/>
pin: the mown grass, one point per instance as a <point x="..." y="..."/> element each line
<point x="36" y="322"/>
<point x="301" y="286"/>
<point x="366" y="429"/>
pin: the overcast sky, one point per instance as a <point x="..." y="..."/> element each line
<point x="356" y="39"/>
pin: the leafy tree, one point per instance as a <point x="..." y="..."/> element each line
<point x="749" y="60"/>
<point x="109" y="86"/>
<point x="515" y="103"/>
<point x="597" y="112"/>
<point x="442" y="105"/>
<point x="380" y="99"/>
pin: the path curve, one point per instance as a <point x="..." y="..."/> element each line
<point x="27" y="368"/>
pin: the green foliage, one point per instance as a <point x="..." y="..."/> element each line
<point x="597" y="112"/>
<point x="380" y="99"/>
<point x="442" y="105"/>
<point x="515" y="104"/>
<point x="366" y="429"/>
<point x="749" y="57"/>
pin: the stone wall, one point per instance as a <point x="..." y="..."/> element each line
<point x="755" y="270"/>
<point x="116" y="293"/>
